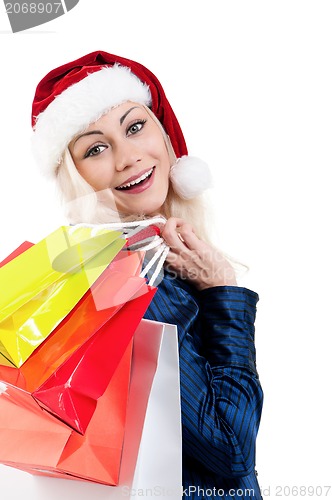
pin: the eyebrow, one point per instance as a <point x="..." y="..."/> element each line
<point x="126" y="113"/>
<point x="92" y="132"/>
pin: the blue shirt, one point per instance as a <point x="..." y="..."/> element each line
<point x="221" y="396"/>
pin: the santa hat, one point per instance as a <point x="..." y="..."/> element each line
<point x="71" y="97"/>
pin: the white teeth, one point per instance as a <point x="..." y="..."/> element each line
<point x="137" y="181"/>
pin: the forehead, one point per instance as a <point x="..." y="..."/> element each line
<point x="115" y="116"/>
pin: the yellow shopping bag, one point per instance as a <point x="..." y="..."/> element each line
<point x="42" y="285"/>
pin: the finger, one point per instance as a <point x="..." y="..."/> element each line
<point x="171" y="235"/>
<point x="189" y="237"/>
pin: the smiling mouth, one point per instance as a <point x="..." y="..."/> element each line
<point x="140" y="180"/>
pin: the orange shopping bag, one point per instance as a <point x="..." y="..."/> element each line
<point x="32" y="439"/>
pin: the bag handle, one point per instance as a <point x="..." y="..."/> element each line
<point x="140" y="235"/>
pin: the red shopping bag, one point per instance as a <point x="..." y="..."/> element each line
<point x="72" y="391"/>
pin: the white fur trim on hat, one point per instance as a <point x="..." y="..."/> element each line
<point x="83" y="103"/>
<point x="190" y="176"/>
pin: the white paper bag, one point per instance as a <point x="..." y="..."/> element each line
<point x="158" y="469"/>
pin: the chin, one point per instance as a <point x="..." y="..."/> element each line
<point x="145" y="209"/>
<point x="151" y="212"/>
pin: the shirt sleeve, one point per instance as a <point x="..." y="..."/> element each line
<point x="221" y="394"/>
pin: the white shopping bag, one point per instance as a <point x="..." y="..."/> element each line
<point x="157" y="470"/>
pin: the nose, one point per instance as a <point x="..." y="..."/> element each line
<point x="126" y="154"/>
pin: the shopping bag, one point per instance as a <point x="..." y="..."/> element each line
<point x="154" y="386"/>
<point x="61" y="252"/>
<point x="23" y="424"/>
<point x="158" y="468"/>
<point x="39" y="287"/>
<point x="72" y="391"/>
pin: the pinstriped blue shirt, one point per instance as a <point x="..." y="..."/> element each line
<point x="221" y="396"/>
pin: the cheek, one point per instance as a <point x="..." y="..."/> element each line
<point x="89" y="176"/>
<point x="98" y="176"/>
<point x="165" y="162"/>
<point x="156" y="147"/>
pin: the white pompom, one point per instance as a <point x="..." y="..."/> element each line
<point x="190" y="176"/>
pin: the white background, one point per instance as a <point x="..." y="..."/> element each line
<point x="251" y="84"/>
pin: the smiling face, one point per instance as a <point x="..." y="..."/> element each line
<point x="124" y="153"/>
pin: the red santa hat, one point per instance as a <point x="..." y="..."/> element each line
<point x="71" y="97"/>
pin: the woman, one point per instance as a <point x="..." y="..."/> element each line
<point x="104" y="129"/>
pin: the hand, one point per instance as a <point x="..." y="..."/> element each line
<point x="193" y="259"/>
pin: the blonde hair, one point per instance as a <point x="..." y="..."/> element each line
<point x="83" y="204"/>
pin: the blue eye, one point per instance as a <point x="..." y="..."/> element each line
<point x="95" y="150"/>
<point x="135" y="127"/>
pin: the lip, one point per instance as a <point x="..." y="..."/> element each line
<point x="140" y="187"/>
<point x="133" y="177"/>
